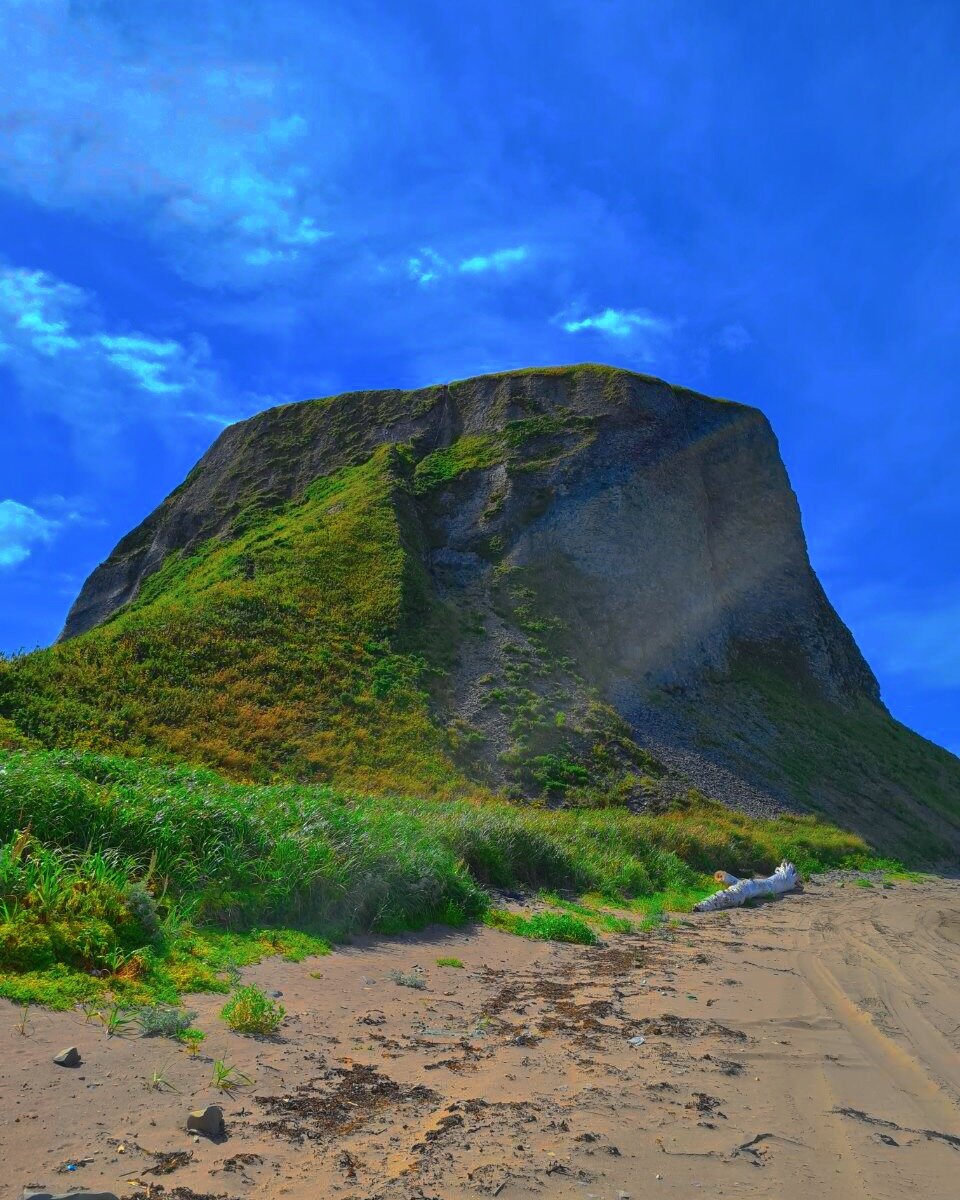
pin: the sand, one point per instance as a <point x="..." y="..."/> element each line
<point x="805" y="1047"/>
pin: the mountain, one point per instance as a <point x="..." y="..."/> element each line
<point x="577" y="584"/>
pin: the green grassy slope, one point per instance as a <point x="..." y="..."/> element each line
<point x="282" y="650"/>
<point x="858" y="766"/>
<point x="307" y="644"/>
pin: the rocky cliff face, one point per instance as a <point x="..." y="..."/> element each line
<point x="603" y="579"/>
<point x="661" y="523"/>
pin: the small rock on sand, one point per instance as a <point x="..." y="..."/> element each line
<point x="208" y="1121"/>
<point x="31" y="1194"/>
<point x="69" y="1058"/>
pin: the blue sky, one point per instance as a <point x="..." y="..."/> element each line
<point x="207" y="208"/>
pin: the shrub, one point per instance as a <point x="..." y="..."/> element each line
<point x="164" y="1021"/>
<point x="408" y="979"/>
<point x="449" y="962"/>
<point x="143" y="908"/>
<point x="250" y="1010"/>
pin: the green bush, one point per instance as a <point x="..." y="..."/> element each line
<point x="250" y="1010"/>
<point x="67" y="906"/>
<point x="25" y="944"/>
<point x="408" y="979"/>
<point x="164" y="1021"/>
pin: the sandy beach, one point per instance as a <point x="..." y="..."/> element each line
<point x="805" y="1047"/>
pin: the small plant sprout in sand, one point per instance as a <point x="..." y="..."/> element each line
<point x="158" y="1082"/>
<point x="250" y="1010"/>
<point x="410" y="979"/>
<point x="23" y="1021"/>
<point x="449" y="962"/>
<point x="192" y="1039"/>
<point x="117" y="1021"/>
<point x="227" y="1078"/>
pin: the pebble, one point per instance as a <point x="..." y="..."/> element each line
<point x="68" y="1058"/>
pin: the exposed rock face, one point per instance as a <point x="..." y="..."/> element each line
<point x="663" y="520"/>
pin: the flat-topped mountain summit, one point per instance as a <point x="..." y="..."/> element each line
<point x="577" y="585"/>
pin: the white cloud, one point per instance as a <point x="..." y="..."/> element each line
<point x="497" y="260"/>
<point x="639" y="331"/>
<point x="30" y="299"/>
<point x="734" y="338"/>
<point x="21" y="528"/>
<point x="146" y="361"/>
<point x="619" y="323"/>
<point x="427" y="266"/>
<point x="54" y="341"/>
<point x="204" y="152"/>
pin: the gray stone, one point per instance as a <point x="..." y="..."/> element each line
<point x="208" y="1121"/>
<point x="86" y="1194"/>
<point x="68" y="1058"/>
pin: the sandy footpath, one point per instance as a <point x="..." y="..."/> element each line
<point x="808" y="1047"/>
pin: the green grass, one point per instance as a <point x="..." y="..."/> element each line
<point x="654" y="910"/>
<point x="857" y="763"/>
<point x="450" y="962"/>
<point x="164" y="1021"/>
<point x="195" y="875"/>
<point x="592" y="911"/>
<point x="543" y="927"/>
<point x="283" y="651"/>
<point x="468" y="453"/>
<point x="250" y="1010"/>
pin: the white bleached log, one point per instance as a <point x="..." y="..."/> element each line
<point x="784" y="879"/>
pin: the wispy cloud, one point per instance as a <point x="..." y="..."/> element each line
<point x="640" y="332"/>
<point x="619" y="323"/>
<point x="427" y="266"/>
<point x="145" y="360"/>
<point x="22" y="528"/>
<point x="205" y="152"/>
<point x="497" y="260"/>
<point x="38" y="308"/>
<point x="55" y="342"/>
